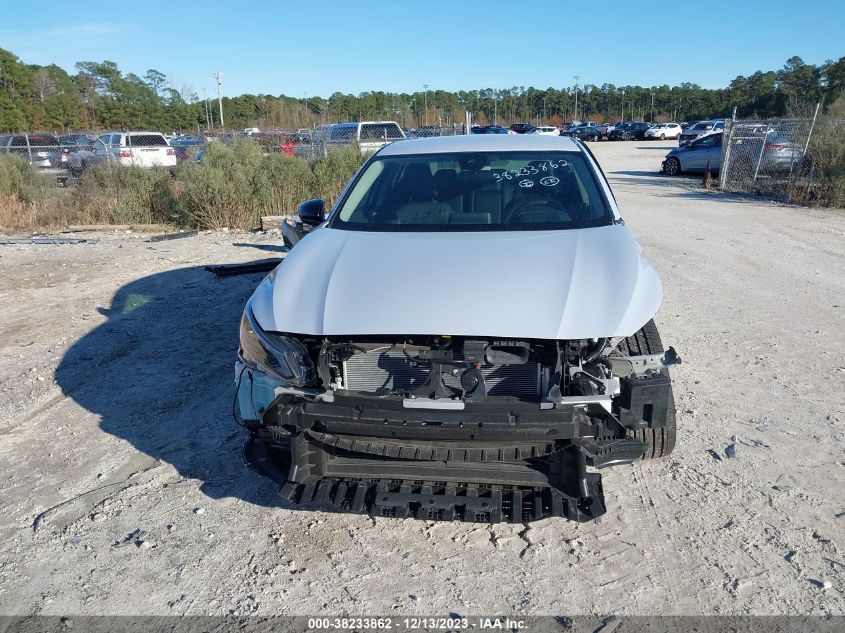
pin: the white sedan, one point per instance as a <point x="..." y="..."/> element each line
<point x="546" y="130"/>
<point x="663" y="131"/>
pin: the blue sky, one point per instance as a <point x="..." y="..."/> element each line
<point x="318" y="47"/>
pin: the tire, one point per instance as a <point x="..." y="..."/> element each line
<point x="659" y="441"/>
<point x="672" y="166"/>
<point x="662" y="137"/>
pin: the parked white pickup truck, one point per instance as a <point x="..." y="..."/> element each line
<point x="142" y="149"/>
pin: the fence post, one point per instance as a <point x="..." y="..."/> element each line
<point x="726" y="150"/>
<point x="812" y="125"/>
<point x="806" y="147"/>
<point x="28" y="147"/>
<point x="760" y="158"/>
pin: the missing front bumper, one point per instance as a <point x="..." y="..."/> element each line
<point x="432" y="500"/>
<point x="485" y="464"/>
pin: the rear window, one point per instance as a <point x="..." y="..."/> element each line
<point x="342" y="133"/>
<point x="35" y="140"/>
<point x="380" y="132"/>
<point x="145" y="140"/>
<point x="474" y="191"/>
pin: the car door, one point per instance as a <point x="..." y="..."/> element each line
<point x="702" y="151"/>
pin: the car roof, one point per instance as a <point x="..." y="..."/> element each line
<point x="480" y="143"/>
<point x="132" y="132"/>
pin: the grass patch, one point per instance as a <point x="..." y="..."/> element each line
<point x="233" y="186"/>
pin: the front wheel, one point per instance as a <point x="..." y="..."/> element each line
<point x="672" y="166"/>
<point x="662" y="137"/>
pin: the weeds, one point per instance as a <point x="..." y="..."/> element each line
<point x="233" y="186"/>
<point x="827" y="151"/>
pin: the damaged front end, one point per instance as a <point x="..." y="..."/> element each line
<point x="443" y="427"/>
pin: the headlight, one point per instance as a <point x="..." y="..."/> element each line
<point x="282" y="356"/>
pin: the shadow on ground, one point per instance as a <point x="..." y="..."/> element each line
<point x="159" y="373"/>
<point x="273" y="248"/>
<point x="634" y="172"/>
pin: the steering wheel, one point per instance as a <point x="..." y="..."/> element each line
<point x="541" y="207"/>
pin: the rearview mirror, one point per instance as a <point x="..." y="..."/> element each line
<point x="312" y="212"/>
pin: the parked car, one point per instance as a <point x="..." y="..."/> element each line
<point x="367" y="135"/>
<point x="42" y="151"/>
<point x="663" y="131"/>
<point x="700" y="129"/>
<point x="141" y="149"/>
<point x="698" y="156"/>
<point x="489" y="129"/>
<point x="771" y="152"/>
<point x="545" y="130"/>
<point x="629" y="132"/>
<point x="76" y="142"/>
<point x="521" y="128"/>
<point x="186" y="147"/>
<point x="585" y="133"/>
<point x="424" y="131"/>
<point x="372" y="381"/>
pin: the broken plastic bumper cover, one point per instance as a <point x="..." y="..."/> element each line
<point x="491" y="462"/>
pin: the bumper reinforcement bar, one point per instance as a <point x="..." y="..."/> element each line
<point x="431" y="500"/>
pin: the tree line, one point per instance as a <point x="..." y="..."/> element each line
<point x="100" y="96"/>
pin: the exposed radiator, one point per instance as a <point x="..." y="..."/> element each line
<point x="391" y="369"/>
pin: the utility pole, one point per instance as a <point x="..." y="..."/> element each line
<point x="652" y="107"/>
<point x="425" y="102"/>
<point x="623" y="105"/>
<point x="209" y="124"/>
<point x="217" y="77"/>
<point x="577" y="77"/>
<point x="544" y="110"/>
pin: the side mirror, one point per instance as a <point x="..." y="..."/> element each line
<point x="312" y="212"/>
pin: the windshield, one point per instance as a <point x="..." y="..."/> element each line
<point x="474" y="191"/>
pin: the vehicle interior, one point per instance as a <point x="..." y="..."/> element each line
<point x="508" y="191"/>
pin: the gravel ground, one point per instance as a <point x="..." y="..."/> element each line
<point x="117" y="442"/>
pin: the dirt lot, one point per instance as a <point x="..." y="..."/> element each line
<point x="116" y="435"/>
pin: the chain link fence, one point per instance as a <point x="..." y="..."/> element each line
<point x="766" y="157"/>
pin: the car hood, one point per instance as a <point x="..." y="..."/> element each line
<point x="571" y="284"/>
